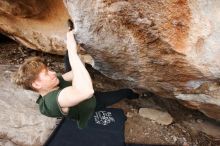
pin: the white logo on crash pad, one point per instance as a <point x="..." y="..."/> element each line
<point x="103" y="117"/>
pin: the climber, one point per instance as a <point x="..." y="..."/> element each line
<point x="69" y="95"/>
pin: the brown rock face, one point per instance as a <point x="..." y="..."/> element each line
<point x="168" y="47"/>
<point x="37" y="24"/>
<point x="25" y="8"/>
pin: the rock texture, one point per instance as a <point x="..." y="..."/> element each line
<point x="169" y="47"/>
<point x="210" y="129"/>
<point x="39" y="25"/>
<point x="25" y="8"/>
<point x="160" y="117"/>
<point x="21" y="124"/>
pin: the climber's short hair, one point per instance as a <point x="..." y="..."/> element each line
<point x="28" y="72"/>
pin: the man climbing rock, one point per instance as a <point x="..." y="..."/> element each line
<point x="69" y="95"/>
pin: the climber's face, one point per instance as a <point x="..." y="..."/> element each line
<point x="46" y="80"/>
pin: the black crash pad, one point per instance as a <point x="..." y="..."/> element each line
<point x="105" y="128"/>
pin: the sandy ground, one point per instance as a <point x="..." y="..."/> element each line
<point x="137" y="129"/>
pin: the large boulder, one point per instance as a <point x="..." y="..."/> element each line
<point x="169" y="47"/>
<point x="21" y="123"/>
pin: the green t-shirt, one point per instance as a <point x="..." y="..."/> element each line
<point x="49" y="106"/>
